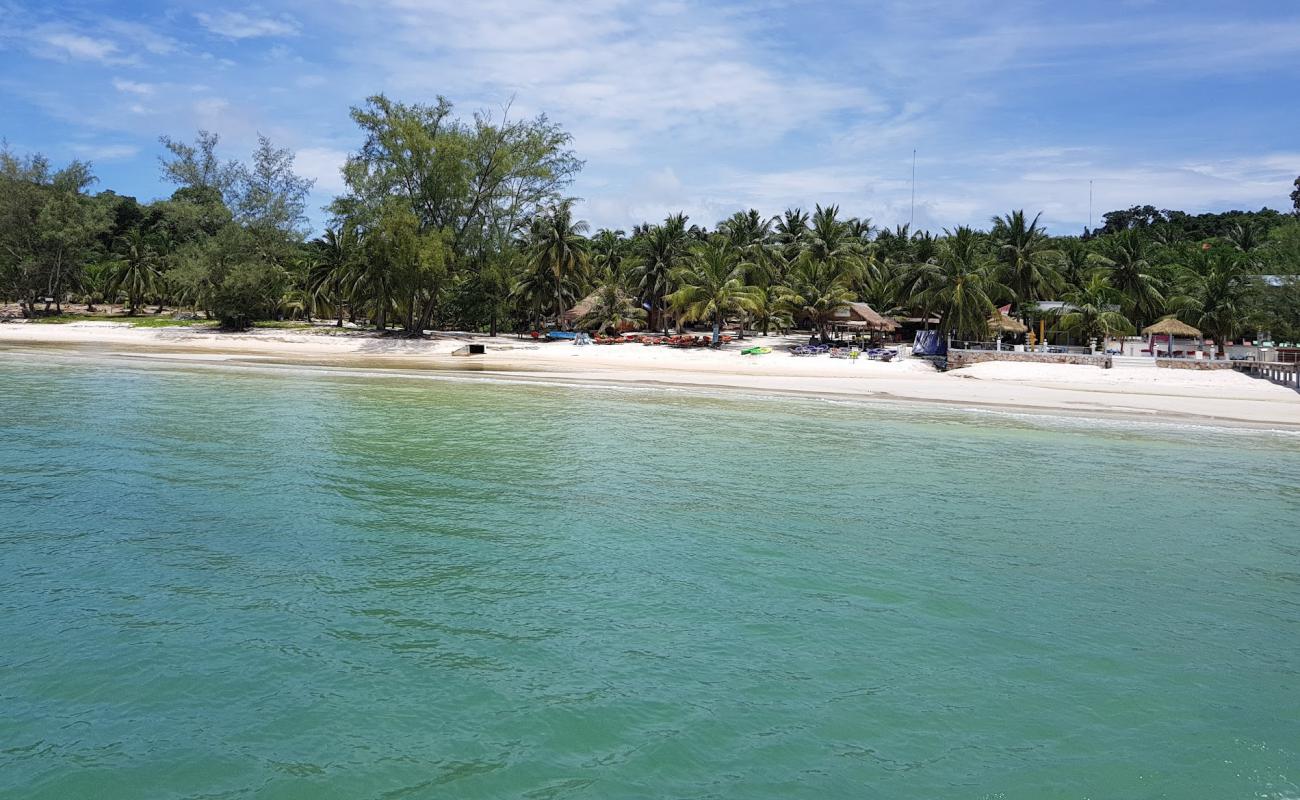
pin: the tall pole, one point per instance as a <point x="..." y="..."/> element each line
<point x="1090" y="206"/>
<point x="911" y="219"/>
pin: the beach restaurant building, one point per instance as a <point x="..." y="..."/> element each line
<point x="862" y="317"/>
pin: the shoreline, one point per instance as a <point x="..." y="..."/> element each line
<point x="1183" y="397"/>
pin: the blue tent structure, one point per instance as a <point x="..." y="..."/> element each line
<point x="929" y="343"/>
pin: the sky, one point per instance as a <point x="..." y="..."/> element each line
<point x="705" y="107"/>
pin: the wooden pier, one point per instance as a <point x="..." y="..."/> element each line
<point x="1284" y="374"/>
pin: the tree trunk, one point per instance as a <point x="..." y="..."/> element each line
<point x="717" y="328"/>
<point x="339" y="324"/>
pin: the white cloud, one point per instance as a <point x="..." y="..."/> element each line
<point x="238" y="25"/>
<point x="63" y="44"/>
<point x="133" y="87"/>
<point x="322" y="164"/>
<point x="106" y="152"/>
<point x="614" y="69"/>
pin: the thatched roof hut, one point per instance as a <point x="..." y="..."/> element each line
<point x="860" y="316"/>
<point x="583" y="308"/>
<point x="1172" y="326"/>
<point x="1002" y="323"/>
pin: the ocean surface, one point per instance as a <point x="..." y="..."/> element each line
<point x="276" y="584"/>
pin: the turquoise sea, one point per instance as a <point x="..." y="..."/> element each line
<point x="269" y="584"/>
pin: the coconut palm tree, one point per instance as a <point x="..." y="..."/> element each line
<point x="532" y="295"/>
<point x="750" y="233"/>
<point x="830" y="241"/>
<point x="1213" y="289"/>
<point x="658" y="254"/>
<point x="711" y="285"/>
<point x="768" y="309"/>
<point x="1076" y="264"/>
<point x="861" y="228"/>
<point x="1093" y="310"/>
<point x="613" y="310"/>
<point x="607" y="251"/>
<point x="136" y="272"/>
<point x="557" y="247"/>
<point x="1123" y="257"/>
<point x="964" y="294"/>
<point x="815" y="290"/>
<point x="1028" y="262"/>
<point x="328" y="275"/>
<point x="791" y="228"/>
<point x="919" y="283"/>
<point x="94" y="282"/>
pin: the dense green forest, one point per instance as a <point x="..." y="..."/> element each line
<point x="464" y="223"/>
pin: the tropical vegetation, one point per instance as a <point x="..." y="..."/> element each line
<point x="449" y="222"/>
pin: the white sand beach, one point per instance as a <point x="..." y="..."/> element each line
<point x="1208" y="397"/>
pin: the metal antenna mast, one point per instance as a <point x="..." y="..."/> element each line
<point x="1090" y="206"/>
<point x="911" y="219"/>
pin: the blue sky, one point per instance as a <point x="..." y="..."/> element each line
<point x="706" y="107"/>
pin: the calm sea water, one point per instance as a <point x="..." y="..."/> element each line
<point x="246" y="584"/>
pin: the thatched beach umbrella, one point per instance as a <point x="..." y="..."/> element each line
<point x="1171" y="326"/>
<point x="1001" y="323"/>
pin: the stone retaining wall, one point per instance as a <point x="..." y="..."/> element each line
<point x="1191" y="363"/>
<point x="964" y="358"/>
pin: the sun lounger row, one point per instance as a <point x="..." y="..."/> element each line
<point x="875" y="354"/>
<point x="683" y="341"/>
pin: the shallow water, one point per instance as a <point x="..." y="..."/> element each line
<point x="222" y="584"/>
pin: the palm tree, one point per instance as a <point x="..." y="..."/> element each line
<point x="750" y="233"/>
<point x="557" y="247"/>
<point x="612" y="310"/>
<point x="329" y="272"/>
<point x="830" y="241"/>
<point x="815" y="290"/>
<point x="964" y="294"/>
<point x="658" y="254"/>
<point x="861" y="229"/>
<point x="1244" y="237"/>
<point x="920" y="282"/>
<point x="768" y="309"/>
<point x="136" y="272"/>
<point x="1093" y="310"/>
<point x="791" y="230"/>
<point x="1123" y="256"/>
<point x="1026" y="257"/>
<point x="712" y="285"/>
<point x="1213" y="289"/>
<point x="607" y="249"/>
<point x="1076" y="264"/>
<point x="94" y="283"/>
<point x="532" y="295"/>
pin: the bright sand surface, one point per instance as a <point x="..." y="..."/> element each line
<point x="1210" y="397"/>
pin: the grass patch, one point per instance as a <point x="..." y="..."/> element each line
<point x="135" y="322"/>
<point x="283" y="325"/>
<point x="166" y="322"/>
<point x="62" y="319"/>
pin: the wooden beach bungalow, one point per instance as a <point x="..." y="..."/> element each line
<point x="858" y="317"/>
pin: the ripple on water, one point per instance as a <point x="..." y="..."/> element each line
<point x="313" y="586"/>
